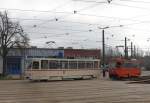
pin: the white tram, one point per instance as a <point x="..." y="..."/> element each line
<point x="60" y="69"/>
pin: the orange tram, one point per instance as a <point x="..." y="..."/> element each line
<point x="122" y="68"/>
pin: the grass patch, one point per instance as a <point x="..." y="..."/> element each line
<point x="9" y="77"/>
<point x="3" y="77"/>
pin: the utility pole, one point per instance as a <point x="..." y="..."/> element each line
<point x="103" y="45"/>
<point x="127" y="52"/>
<point x="131" y="49"/>
<point x="137" y="52"/>
<point x="126" y="49"/>
<point x="134" y="51"/>
<point x="103" y="42"/>
<point x="103" y="48"/>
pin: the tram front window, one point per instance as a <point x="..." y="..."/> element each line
<point x="35" y="65"/>
<point x="130" y="65"/>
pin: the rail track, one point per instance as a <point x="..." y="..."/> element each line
<point x="141" y="79"/>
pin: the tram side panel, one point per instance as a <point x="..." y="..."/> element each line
<point x="60" y="74"/>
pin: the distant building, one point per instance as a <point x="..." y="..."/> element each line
<point x="82" y="53"/>
<point x="60" y="47"/>
<point x="69" y="48"/>
<point x="37" y="53"/>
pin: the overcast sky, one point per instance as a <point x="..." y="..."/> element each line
<point x="75" y="22"/>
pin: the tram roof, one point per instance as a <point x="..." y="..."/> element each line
<point x="63" y="59"/>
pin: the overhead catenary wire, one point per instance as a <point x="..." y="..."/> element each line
<point x="124" y="25"/>
<point x="82" y="14"/>
<point x="85" y="30"/>
<point x="137" y="29"/>
<point x="61" y="17"/>
<point x="89" y="1"/>
<point x="139" y="16"/>
<point x="135" y="1"/>
<point x="78" y="14"/>
<point x="127" y="5"/>
<point x="61" y="5"/>
<point x="50" y="34"/>
<point x="74" y="12"/>
<point x="130" y="6"/>
<point x="88" y="7"/>
<point x="56" y="19"/>
<point x="124" y="4"/>
<point x="80" y="30"/>
<point x="56" y="34"/>
<point x="138" y="21"/>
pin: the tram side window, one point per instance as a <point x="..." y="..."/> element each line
<point x="53" y="65"/>
<point x="64" y="64"/>
<point x="81" y="65"/>
<point x="95" y="64"/>
<point x="35" y="64"/>
<point x="44" y="64"/>
<point x="89" y="64"/>
<point x="130" y="65"/>
<point x="73" y="65"/>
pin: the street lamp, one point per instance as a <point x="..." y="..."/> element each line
<point x="103" y="41"/>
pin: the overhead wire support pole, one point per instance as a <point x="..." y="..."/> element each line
<point x="131" y="50"/>
<point x="103" y="42"/>
<point x="134" y="51"/>
<point x="103" y="45"/>
<point x="103" y="48"/>
<point x="126" y="54"/>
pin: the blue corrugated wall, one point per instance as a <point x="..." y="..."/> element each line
<point x="14" y="65"/>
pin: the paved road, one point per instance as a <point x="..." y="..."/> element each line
<point x="83" y="91"/>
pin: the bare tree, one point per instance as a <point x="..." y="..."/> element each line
<point x="11" y="34"/>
